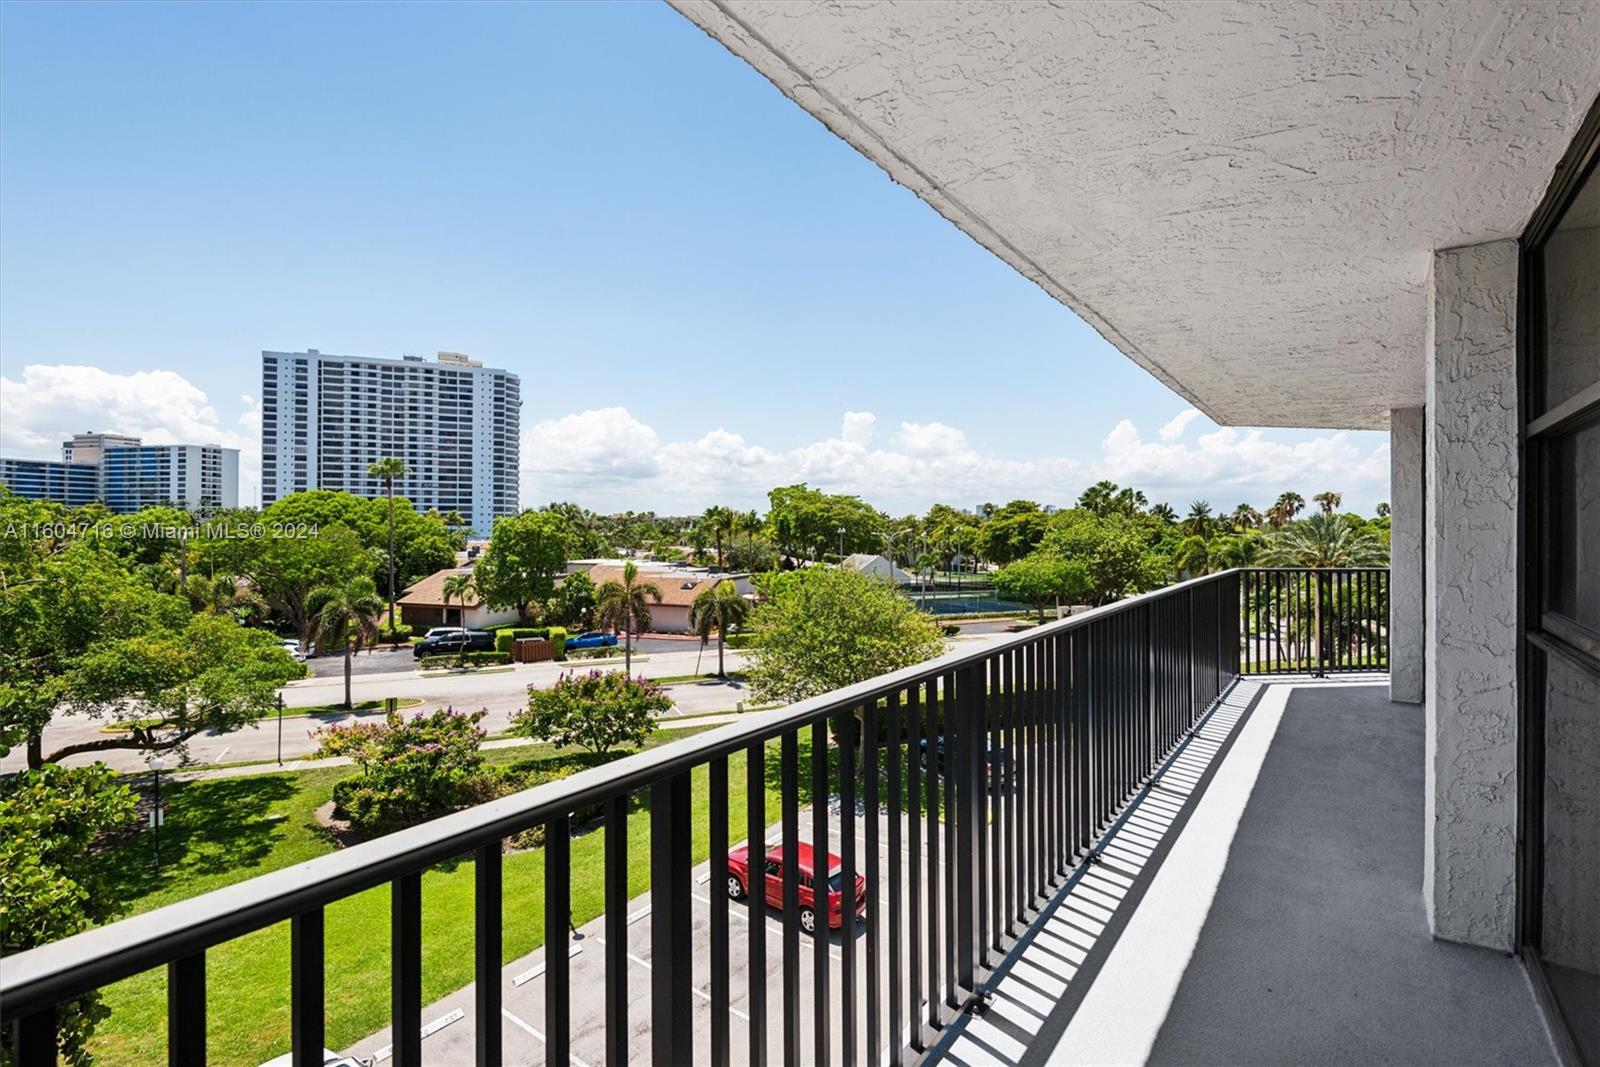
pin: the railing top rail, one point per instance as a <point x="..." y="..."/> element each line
<point x="45" y="975"/>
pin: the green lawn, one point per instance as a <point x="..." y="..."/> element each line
<point x="222" y="831"/>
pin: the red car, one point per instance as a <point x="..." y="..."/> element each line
<point x="739" y="884"/>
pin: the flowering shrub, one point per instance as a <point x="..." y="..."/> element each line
<point x="412" y="769"/>
<point x="598" y="711"/>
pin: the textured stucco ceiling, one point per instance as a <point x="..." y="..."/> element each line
<point x="1243" y="198"/>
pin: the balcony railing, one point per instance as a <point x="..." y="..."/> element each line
<point x="1323" y="621"/>
<point x="978" y="782"/>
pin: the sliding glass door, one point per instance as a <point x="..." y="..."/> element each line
<point x="1559" y="842"/>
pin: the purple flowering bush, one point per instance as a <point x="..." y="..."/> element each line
<point x="599" y="711"/>
<point x="412" y="769"/>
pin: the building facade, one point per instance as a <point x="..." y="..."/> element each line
<point x="126" y="474"/>
<point x="454" y="423"/>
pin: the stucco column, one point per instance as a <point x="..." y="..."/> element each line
<point x="1471" y="603"/>
<point x="1407" y="616"/>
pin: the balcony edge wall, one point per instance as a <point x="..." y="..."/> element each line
<point x="1469" y="880"/>
<point x="1407" y="518"/>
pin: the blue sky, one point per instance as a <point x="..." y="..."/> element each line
<point x="696" y="281"/>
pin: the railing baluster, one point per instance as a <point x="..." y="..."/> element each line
<point x="947" y="727"/>
<point x="34" y="1038"/>
<point x="186" y="1011"/>
<point x="487" y="941"/>
<point x="965" y="772"/>
<point x="870" y="775"/>
<point x="931" y="757"/>
<point x="790" y="875"/>
<point x="1008" y="799"/>
<point x="756" y="945"/>
<point x="897" y="927"/>
<point x="718" y="834"/>
<point x="616" y="924"/>
<point x="995" y="743"/>
<point x="914" y="801"/>
<point x="671" y="923"/>
<point x="306" y="1001"/>
<point x="847" y="891"/>
<point x="822" y="1009"/>
<point x="405" y="965"/>
<point x="557" y="922"/>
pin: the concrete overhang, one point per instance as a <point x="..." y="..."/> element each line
<point x="1242" y="198"/>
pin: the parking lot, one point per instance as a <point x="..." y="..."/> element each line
<point x="522" y="982"/>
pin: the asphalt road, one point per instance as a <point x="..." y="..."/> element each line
<point x="522" y="982"/>
<point x="500" y="693"/>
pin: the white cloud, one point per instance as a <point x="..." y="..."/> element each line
<point x="1178" y="423"/>
<point x="582" y="457"/>
<point x="51" y="402"/>
<point x="610" y="460"/>
<point x="858" y="427"/>
<point x="931" y="439"/>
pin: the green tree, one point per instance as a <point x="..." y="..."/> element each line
<point x="1284" y="509"/>
<point x="1324" y="540"/>
<point x="526" y="554"/>
<point x="718" y="523"/>
<point x="573" y="601"/>
<point x="1164" y="513"/>
<point x="717" y="607"/>
<point x="1383" y="509"/>
<point x="1328" y="501"/>
<point x="346" y="615"/>
<point x="1245" y="517"/>
<point x="458" y="587"/>
<point x="165" y="686"/>
<point x="822" y="628"/>
<point x="389" y="468"/>
<point x="1192" y="558"/>
<point x="1011" y="532"/>
<point x="1117" y="552"/>
<point x="286" y="568"/>
<point x="1099" y="498"/>
<point x="54" y="882"/>
<point x="1199" y="522"/>
<point x="1041" y="579"/>
<point x="625" y="607"/>
<point x="804" y="521"/>
<point x="597" y="711"/>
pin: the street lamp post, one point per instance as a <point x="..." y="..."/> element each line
<point x="280" y="729"/>
<point x="841" y="542"/>
<point x="155" y="763"/>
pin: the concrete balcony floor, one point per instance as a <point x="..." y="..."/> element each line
<point x="1261" y="905"/>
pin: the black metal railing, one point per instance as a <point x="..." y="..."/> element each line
<point x="976" y="783"/>
<point x="1314" y="621"/>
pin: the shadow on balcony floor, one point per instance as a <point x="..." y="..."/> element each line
<point x="1279" y="919"/>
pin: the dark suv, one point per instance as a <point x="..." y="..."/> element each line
<point x="449" y="640"/>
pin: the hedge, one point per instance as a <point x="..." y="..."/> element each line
<point x="504" y="639"/>
<point x="471" y="659"/>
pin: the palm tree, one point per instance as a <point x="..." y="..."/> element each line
<point x="1098" y="497"/>
<point x="1198" y="522"/>
<point x="347" y="613"/>
<point x="388" y="468"/>
<point x="719" y="522"/>
<point x="717" y="606"/>
<point x="1383" y="509"/>
<point x="1164" y="512"/>
<point x="1324" y="540"/>
<point x="1130" y="501"/>
<point x="457" y="587"/>
<point x="1245" y="517"/>
<point x="1285" y="508"/>
<point x="1328" y="501"/>
<point x="625" y="606"/>
<point x="1192" y="557"/>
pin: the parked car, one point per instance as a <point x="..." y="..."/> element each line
<point x="772" y="879"/>
<point x="292" y="647"/>
<point x="594" y="639"/>
<point x="447" y="641"/>
<point x="995" y="756"/>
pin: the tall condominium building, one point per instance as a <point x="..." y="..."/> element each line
<point x="453" y="422"/>
<point x="126" y="474"/>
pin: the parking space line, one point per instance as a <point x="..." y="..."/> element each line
<point x="537" y="1036"/>
<point x="696" y="990"/>
<point x="538" y="968"/>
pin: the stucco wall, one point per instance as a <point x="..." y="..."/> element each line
<point x="1407" y="617"/>
<point x="1471" y="568"/>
